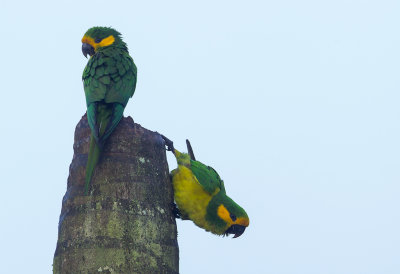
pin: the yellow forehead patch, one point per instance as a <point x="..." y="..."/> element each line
<point x="224" y="214"/>
<point x="103" y="43"/>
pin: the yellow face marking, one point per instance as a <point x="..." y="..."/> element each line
<point x="242" y="221"/>
<point x="224" y="214"/>
<point x="103" y="43"/>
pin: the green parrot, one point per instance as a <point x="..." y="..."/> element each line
<point x="109" y="80"/>
<point x="200" y="196"/>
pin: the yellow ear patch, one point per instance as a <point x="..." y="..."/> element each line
<point x="106" y="41"/>
<point x="224" y="214"/>
<point x="103" y="43"/>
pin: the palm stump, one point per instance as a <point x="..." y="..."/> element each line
<point x="126" y="224"/>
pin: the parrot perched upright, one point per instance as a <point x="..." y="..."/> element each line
<point x="109" y="80"/>
<point x="200" y="196"/>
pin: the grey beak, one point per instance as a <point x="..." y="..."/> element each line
<point x="87" y="49"/>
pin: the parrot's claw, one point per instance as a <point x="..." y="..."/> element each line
<point x="175" y="211"/>
<point x="168" y="143"/>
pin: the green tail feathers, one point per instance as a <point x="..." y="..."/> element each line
<point x="103" y="118"/>
<point x="93" y="159"/>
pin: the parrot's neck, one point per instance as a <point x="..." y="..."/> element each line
<point x="212" y="217"/>
<point x="182" y="158"/>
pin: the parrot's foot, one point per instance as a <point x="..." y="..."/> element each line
<point x="168" y="143"/>
<point x="175" y="211"/>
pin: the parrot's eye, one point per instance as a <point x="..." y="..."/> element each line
<point x="97" y="40"/>
<point x="233" y="217"/>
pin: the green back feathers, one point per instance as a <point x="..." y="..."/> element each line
<point x="207" y="177"/>
<point x="109" y="76"/>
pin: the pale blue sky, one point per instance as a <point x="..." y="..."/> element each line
<point x="295" y="103"/>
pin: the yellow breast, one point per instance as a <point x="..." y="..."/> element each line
<point x="190" y="197"/>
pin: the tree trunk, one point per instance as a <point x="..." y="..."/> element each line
<point x="126" y="224"/>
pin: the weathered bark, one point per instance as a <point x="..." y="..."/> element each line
<point x="126" y="224"/>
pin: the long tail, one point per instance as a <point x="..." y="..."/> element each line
<point x="93" y="159"/>
<point x="107" y="117"/>
<point x="190" y="150"/>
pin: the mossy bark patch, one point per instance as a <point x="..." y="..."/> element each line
<point x="126" y="224"/>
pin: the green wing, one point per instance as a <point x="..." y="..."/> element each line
<point x="123" y="76"/>
<point x="110" y="76"/>
<point x="109" y="79"/>
<point x="207" y="177"/>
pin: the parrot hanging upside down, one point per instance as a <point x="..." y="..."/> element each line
<point x="109" y="80"/>
<point x="200" y="196"/>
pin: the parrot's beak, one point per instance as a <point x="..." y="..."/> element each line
<point x="87" y="49"/>
<point x="236" y="229"/>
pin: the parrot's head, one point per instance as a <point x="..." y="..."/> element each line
<point x="97" y="39"/>
<point x="225" y="217"/>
